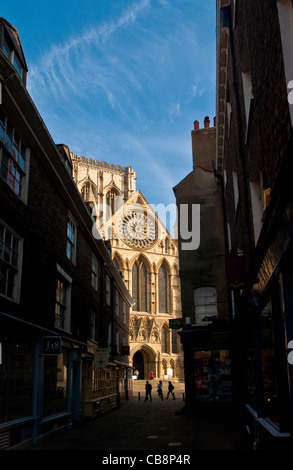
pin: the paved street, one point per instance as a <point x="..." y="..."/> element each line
<point x="157" y="425"/>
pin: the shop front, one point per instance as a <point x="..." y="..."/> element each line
<point x="207" y="363"/>
<point x="268" y="329"/>
<point x="212" y="372"/>
<point x="39" y="388"/>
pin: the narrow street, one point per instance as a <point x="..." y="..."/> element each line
<point x="154" y="426"/>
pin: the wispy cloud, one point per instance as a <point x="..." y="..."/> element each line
<point x="65" y="65"/>
<point x="127" y="90"/>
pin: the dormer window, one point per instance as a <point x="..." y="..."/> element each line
<point x="11" y="48"/>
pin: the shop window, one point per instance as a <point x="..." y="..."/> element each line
<point x="268" y="366"/>
<point x="213" y="375"/>
<point x="16" y="378"/>
<point x="55" y="384"/>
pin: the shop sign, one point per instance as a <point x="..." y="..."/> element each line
<point x="51" y="345"/>
<point x="101" y="358"/>
<point x="175" y="324"/>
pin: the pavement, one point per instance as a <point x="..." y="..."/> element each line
<point x="157" y="426"/>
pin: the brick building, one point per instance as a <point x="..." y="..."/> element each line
<point x="254" y="165"/>
<point x="206" y="322"/>
<point x="64" y="342"/>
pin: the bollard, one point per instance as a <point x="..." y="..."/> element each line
<point x="139" y="395"/>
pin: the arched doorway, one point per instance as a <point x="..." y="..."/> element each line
<point x="138" y="364"/>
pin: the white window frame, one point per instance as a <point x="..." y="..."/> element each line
<point x="67" y="280"/>
<point x="248" y="96"/>
<point x="69" y="242"/>
<point x="95" y="272"/>
<point x="236" y="191"/>
<point x="108" y="290"/>
<point x="117" y="302"/>
<point x="18" y="160"/>
<point x="17" y="268"/>
<point x="205" y="298"/>
<point x="124" y="312"/>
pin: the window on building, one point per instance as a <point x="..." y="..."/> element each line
<point x="124" y="312"/>
<point x="16" y="377"/>
<point x="71" y="240"/>
<point x="95" y="272"/>
<point x="285" y="11"/>
<point x="164" y="339"/>
<point x="163" y="290"/>
<point x="236" y="191"/>
<point x="139" y="286"/>
<point x="11" y="55"/>
<point x="117" y="303"/>
<point x="93" y="324"/>
<point x="10" y="248"/>
<point x="63" y="300"/>
<point x="257" y="205"/>
<point x="174" y="342"/>
<point x="108" y="290"/>
<point x="205" y="302"/>
<point x="111" y="202"/>
<point x="13" y="157"/>
<point x="55" y="383"/>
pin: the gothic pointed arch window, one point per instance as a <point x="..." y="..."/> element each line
<point x="164" y="339"/>
<point x="163" y="290"/>
<point x="111" y="202"/>
<point x="139" y="286"/>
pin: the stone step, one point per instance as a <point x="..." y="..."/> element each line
<point x="139" y="385"/>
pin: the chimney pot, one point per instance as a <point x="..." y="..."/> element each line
<point x="196" y="125"/>
<point x="206" y="122"/>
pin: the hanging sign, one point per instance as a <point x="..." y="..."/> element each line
<point x="175" y="324"/>
<point x="101" y="358"/>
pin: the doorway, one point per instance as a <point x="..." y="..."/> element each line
<point x="138" y="364"/>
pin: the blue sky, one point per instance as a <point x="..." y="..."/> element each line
<point x="122" y="81"/>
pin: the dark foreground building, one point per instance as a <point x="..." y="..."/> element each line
<point x="254" y="163"/>
<point x="206" y="320"/>
<point x="64" y="341"/>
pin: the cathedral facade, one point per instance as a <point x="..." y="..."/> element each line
<point x="146" y="255"/>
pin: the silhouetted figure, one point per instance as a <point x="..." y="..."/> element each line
<point x="160" y="390"/>
<point x="148" y="391"/>
<point x="170" y="390"/>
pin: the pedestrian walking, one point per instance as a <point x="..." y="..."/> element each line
<point x="148" y="391"/>
<point x="160" y="390"/>
<point x="152" y="375"/>
<point x="170" y="390"/>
